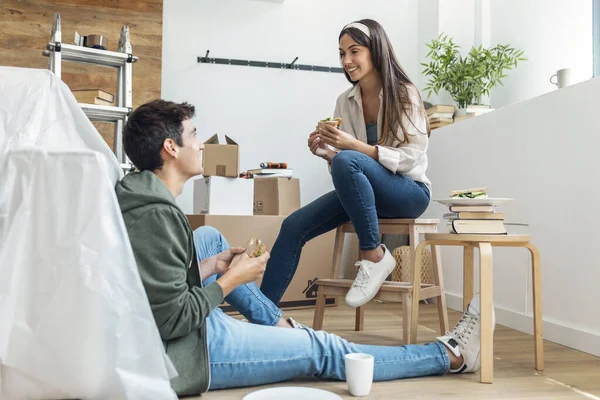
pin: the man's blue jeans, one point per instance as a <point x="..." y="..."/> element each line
<point x="364" y="191"/>
<point x="248" y="354"/>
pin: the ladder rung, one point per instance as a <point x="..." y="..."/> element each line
<point x="104" y="113"/>
<point x="88" y="55"/>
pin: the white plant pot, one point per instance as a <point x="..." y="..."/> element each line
<point x="460" y="112"/>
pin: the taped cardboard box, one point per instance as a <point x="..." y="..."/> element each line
<point x="276" y="196"/>
<point x="221" y="159"/>
<point x="219" y="195"/>
<point x="315" y="261"/>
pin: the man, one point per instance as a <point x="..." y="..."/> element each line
<point x="187" y="274"/>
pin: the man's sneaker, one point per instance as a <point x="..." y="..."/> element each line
<point x="465" y="338"/>
<point x="369" y="279"/>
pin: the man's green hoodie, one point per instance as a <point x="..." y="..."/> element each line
<point x="163" y="245"/>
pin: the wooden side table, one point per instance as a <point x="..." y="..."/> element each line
<point x="485" y="243"/>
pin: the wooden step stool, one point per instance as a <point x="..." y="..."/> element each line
<point x="485" y="243"/>
<point x="390" y="291"/>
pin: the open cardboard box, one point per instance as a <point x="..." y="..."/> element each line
<point x="220" y="159"/>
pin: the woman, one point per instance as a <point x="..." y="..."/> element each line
<point x="377" y="160"/>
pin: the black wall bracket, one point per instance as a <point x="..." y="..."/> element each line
<point x="267" y="64"/>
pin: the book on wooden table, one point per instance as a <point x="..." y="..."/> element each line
<point x="474" y="215"/>
<point x="488" y="209"/>
<point x="478" y="227"/>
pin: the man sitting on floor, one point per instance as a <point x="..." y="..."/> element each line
<point x="187" y="274"/>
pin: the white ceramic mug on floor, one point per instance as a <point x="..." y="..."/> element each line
<point x="564" y="77"/>
<point x="359" y="373"/>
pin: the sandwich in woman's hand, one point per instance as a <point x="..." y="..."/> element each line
<point x="328" y="121"/>
<point x="336" y="122"/>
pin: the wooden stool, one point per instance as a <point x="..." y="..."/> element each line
<point x="390" y="291"/>
<point x="485" y="243"/>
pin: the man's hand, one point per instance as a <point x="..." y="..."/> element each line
<point x="223" y="259"/>
<point x="336" y="138"/>
<point x="242" y="270"/>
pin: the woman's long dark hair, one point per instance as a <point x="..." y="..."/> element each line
<point x="395" y="81"/>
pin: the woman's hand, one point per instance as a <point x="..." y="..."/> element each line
<point x="319" y="148"/>
<point x="336" y="138"/>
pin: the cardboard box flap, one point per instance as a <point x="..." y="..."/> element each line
<point x="230" y="141"/>
<point x="214" y="139"/>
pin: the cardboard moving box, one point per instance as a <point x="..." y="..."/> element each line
<point x="221" y="159"/>
<point x="315" y="261"/>
<point x="223" y="196"/>
<point x="276" y="196"/>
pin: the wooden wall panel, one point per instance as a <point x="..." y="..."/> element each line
<point x="25" y="27"/>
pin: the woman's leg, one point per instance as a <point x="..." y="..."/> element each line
<point x="367" y="190"/>
<point x="312" y="220"/>
<point x="247" y="299"/>
<point x="244" y="354"/>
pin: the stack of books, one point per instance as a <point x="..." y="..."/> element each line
<point x="440" y="115"/>
<point x="478" y="109"/>
<point x="271" y="173"/>
<point x="94" y="96"/>
<point x="476" y="219"/>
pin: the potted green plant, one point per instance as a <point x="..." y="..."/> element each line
<point x="467" y="78"/>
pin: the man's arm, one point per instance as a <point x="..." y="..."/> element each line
<point x="159" y="241"/>
<point x="208" y="267"/>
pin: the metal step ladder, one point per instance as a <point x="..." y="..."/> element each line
<point x="122" y="60"/>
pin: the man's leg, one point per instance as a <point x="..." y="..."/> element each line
<point x="247" y="299"/>
<point x="246" y="355"/>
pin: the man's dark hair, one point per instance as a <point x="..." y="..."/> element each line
<point x="149" y="126"/>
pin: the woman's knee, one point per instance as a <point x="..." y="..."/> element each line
<point x="292" y="224"/>
<point x="346" y="161"/>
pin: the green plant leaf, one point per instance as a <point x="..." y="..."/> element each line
<point x="467" y="78"/>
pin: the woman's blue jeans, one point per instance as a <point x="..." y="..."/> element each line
<point x="364" y="191"/>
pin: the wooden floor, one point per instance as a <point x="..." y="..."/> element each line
<point x="568" y="374"/>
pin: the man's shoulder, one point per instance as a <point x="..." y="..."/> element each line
<point x="155" y="214"/>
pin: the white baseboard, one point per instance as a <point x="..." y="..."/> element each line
<point x="567" y="336"/>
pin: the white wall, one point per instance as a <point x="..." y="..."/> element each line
<point x="543" y="154"/>
<point x="554" y="34"/>
<point x="455" y="18"/>
<point x="539" y="152"/>
<point x="270" y="112"/>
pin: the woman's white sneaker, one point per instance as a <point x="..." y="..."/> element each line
<point x="465" y="338"/>
<point x="369" y="279"/>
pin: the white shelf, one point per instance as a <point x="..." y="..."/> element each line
<point x="104" y="113"/>
<point x="87" y="55"/>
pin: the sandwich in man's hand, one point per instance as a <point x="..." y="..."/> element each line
<point x="472" y="193"/>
